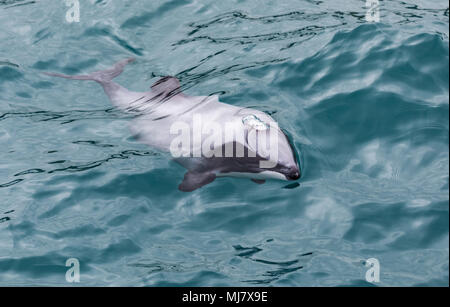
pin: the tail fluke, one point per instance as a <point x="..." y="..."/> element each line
<point x="101" y="76"/>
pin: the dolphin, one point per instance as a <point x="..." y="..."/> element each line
<point x="165" y="106"/>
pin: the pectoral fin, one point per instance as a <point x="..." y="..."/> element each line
<point x="193" y="181"/>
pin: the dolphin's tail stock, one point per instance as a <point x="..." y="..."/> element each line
<point x="102" y="76"/>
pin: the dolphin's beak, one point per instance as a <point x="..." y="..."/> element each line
<point x="293" y="173"/>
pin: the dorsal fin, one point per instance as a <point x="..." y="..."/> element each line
<point x="167" y="85"/>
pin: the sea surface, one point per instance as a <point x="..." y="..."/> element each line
<point x="365" y="103"/>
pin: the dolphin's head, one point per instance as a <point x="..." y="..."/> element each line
<point x="278" y="158"/>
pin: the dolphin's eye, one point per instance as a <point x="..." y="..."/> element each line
<point x="254" y="122"/>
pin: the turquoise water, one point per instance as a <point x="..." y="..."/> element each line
<point x="366" y="105"/>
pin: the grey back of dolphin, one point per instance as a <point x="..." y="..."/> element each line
<point x="165" y="104"/>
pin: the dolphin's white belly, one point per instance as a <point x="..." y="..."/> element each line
<point x="261" y="175"/>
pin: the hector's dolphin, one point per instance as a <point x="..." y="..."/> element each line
<point x="237" y="139"/>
